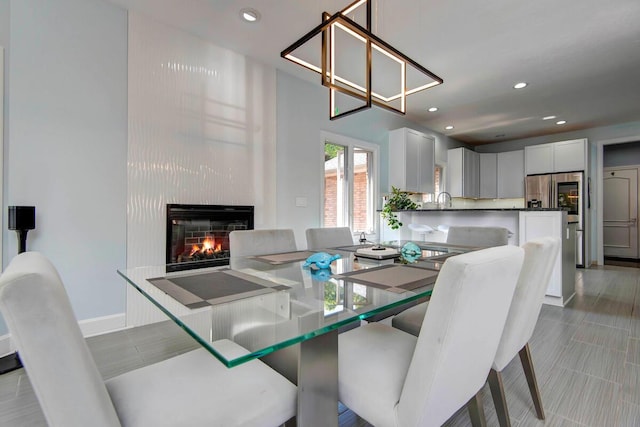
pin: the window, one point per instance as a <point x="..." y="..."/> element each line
<point x="349" y="184"/>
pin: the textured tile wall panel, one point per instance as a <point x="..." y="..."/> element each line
<point x="201" y="131"/>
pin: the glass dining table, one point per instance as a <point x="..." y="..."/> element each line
<point x="288" y="314"/>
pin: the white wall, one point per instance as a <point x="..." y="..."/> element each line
<point x="302" y="113"/>
<point x="621" y="154"/>
<point x="66" y="147"/>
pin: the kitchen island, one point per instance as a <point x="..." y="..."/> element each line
<point x="523" y="225"/>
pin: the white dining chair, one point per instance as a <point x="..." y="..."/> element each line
<point x="410" y="319"/>
<point x="190" y="389"/>
<point x="328" y="237"/>
<point x="539" y="260"/>
<point x="392" y="378"/>
<point x="261" y="242"/>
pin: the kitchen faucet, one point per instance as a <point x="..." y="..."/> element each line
<point x="444" y="198"/>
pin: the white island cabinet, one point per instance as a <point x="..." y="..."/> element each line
<point x="537" y="224"/>
<point x="523" y="225"/>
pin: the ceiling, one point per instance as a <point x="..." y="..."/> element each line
<point x="580" y="58"/>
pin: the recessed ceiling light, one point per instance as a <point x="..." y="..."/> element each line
<point x="448" y="127"/>
<point x="433" y="109"/>
<point x="250" y="15"/>
<point x="548" y="117"/>
<point x="561" y="122"/>
<point x="520" y="85"/>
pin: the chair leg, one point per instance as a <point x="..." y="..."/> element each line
<point x="499" y="399"/>
<point x="527" y="365"/>
<point x="476" y="411"/>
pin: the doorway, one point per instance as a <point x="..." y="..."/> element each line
<point x="617" y="202"/>
<point x="620" y="213"/>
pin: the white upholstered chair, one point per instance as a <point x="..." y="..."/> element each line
<point x="391" y="378"/>
<point x="261" y="242"/>
<point x="539" y="259"/>
<point x="191" y="389"/>
<point x="410" y="320"/>
<point x="329" y="237"/>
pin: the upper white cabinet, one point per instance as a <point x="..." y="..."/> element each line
<point x="488" y="175"/>
<point x="511" y="174"/>
<point x="569" y="156"/>
<point x="565" y="156"/>
<point x="411" y="160"/>
<point x="538" y="159"/>
<point x="464" y="173"/>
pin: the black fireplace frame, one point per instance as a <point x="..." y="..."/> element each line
<point x="182" y="211"/>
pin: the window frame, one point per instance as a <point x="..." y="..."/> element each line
<point x="350" y="144"/>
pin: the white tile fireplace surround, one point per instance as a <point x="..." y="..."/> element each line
<point x="201" y="131"/>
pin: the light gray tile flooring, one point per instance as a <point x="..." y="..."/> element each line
<point x="586" y="355"/>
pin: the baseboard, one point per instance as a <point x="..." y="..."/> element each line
<point x="5" y="345"/>
<point x="89" y="328"/>
<point x="553" y="300"/>
<point x="102" y="325"/>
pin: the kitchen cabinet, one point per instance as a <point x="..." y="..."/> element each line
<point x="510" y="174"/>
<point x="537" y="224"/>
<point x="411" y="160"/>
<point x="569" y="156"/>
<point x="538" y="159"/>
<point x="488" y="175"/>
<point x="464" y="173"/>
<point x="564" y="156"/>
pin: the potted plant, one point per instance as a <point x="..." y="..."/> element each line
<point x="398" y="200"/>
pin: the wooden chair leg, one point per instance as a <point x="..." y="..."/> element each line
<point x="499" y="400"/>
<point x="476" y="411"/>
<point x="527" y="365"/>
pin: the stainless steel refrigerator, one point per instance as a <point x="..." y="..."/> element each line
<point x="560" y="190"/>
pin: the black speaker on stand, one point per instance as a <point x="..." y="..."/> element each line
<point x="21" y="219"/>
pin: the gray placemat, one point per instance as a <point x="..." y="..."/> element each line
<point x="285" y="257"/>
<point x="394" y="278"/>
<point x="210" y="288"/>
<point x="353" y="248"/>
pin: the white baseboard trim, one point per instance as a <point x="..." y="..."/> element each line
<point x="5" y="345"/>
<point x="89" y="328"/>
<point x="102" y="325"/>
<point x="553" y="300"/>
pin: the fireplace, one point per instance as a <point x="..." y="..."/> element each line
<point x="198" y="235"/>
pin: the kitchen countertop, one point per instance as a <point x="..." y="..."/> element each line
<point x="481" y="209"/>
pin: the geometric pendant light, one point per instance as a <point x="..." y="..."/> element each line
<point x="355" y="64"/>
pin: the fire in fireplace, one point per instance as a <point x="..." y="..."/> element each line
<point x="198" y="235"/>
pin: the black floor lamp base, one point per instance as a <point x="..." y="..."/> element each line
<point x="9" y="363"/>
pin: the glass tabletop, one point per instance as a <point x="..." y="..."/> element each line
<point x="270" y="302"/>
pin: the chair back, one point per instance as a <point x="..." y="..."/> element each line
<point x="331" y="237"/>
<point x="477" y="236"/>
<point x="460" y="334"/>
<point x="539" y="259"/>
<point x="55" y="355"/>
<point x="261" y="242"/>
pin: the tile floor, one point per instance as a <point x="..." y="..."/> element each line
<point x="587" y="360"/>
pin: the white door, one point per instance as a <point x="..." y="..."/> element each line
<point x="620" y="193"/>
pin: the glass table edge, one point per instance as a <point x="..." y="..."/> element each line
<point x="230" y="363"/>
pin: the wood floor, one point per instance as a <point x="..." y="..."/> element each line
<point x="587" y="360"/>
